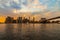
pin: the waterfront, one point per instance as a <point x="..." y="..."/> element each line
<point x="30" y="31"/>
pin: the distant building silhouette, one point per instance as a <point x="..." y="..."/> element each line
<point x="57" y="21"/>
<point x="14" y="21"/>
<point x="19" y="20"/>
<point x="44" y="20"/>
<point x="29" y="20"/>
<point x="25" y="20"/>
<point x="9" y="20"/>
<point x="33" y="21"/>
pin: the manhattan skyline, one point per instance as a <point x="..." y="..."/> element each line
<point x="32" y="8"/>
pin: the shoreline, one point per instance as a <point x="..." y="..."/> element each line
<point x="29" y="23"/>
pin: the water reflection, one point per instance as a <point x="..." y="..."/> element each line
<point x="43" y="33"/>
<point x="30" y="32"/>
<point x="9" y="32"/>
<point x="19" y="32"/>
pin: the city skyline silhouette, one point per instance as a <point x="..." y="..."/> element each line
<point x="26" y="20"/>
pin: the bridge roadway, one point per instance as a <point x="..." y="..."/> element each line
<point x="54" y="18"/>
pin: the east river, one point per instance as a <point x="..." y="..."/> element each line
<point x="29" y="31"/>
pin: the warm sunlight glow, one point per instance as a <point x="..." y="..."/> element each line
<point x="2" y="19"/>
<point x="14" y="11"/>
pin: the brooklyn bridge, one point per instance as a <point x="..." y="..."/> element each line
<point x="25" y="20"/>
<point x="54" y="18"/>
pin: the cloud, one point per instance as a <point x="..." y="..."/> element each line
<point x="24" y="5"/>
<point x="51" y="14"/>
<point x="7" y="7"/>
<point x="33" y="6"/>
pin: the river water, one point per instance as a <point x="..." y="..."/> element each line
<point x="29" y="31"/>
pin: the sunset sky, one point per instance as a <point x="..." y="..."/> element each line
<point x="41" y="8"/>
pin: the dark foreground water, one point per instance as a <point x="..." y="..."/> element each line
<point x="29" y="31"/>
